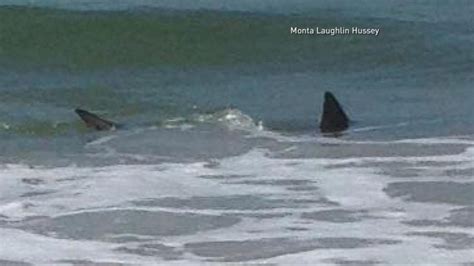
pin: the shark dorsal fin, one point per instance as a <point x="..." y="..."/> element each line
<point x="94" y="121"/>
<point x="333" y="119"/>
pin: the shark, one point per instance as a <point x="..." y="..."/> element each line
<point x="94" y="121"/>
<point x="333" y="118"/>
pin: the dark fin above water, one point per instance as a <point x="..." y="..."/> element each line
<point x="93" y="121"/>
<point x="333" y="119"/>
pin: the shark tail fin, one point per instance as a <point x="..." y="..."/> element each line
<point x="333" y="119"/>
<point x="93" y="121"/>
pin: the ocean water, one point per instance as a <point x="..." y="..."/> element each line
<point x="219" y="159"/>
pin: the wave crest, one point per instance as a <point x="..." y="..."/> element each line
<point x="231" y="118"/>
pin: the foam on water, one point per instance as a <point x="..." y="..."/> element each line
<point x="19" y="246"/>
<point x="335" y="210"/>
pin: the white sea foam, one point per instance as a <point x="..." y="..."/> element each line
<point x="20" y="246"/>
<point x="352" y="191"/>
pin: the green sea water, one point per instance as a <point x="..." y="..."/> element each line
<point x="74" y="40"/>
<point x="145" y="66"/>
